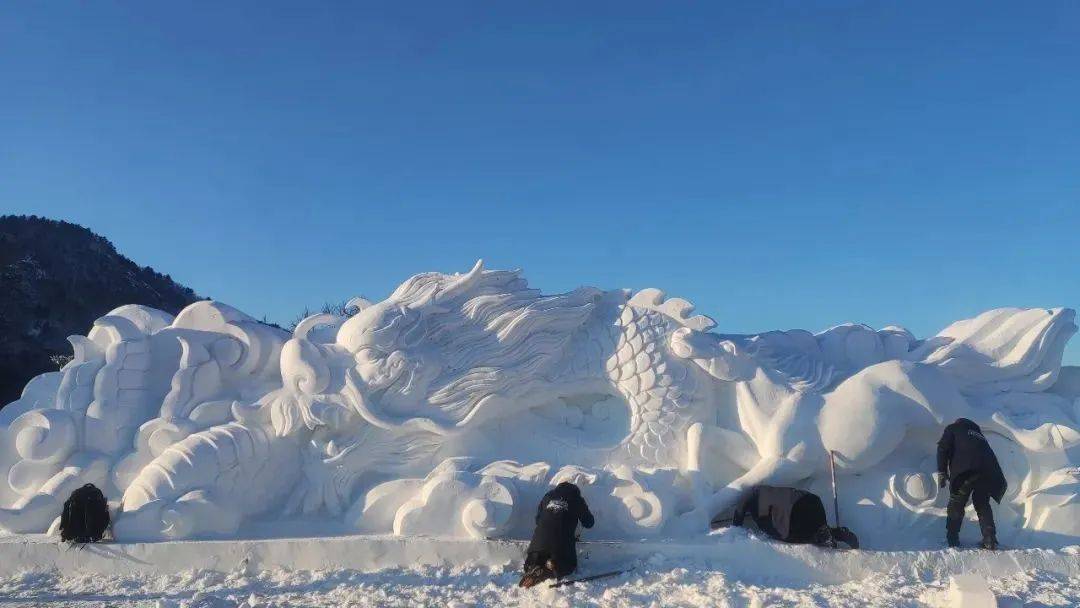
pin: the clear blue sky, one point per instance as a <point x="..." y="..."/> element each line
<point x="779" y="164"/>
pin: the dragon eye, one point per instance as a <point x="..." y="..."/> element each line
<point x="368" y="355"/>
<point x="395" y="361"/>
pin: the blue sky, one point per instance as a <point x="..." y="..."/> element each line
<point x="779" y="164"/>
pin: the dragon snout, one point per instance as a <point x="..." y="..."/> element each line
<point x="722" y="359"/>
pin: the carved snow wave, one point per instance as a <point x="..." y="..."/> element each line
<point x="461" y="498"/>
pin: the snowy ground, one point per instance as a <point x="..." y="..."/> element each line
<point x="683" y="584"/>
<point x="771" y="575"/>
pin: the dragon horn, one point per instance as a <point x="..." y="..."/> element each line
<point x="461" y="284"/>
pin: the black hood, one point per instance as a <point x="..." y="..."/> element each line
<point x="566" y="490"/>
<point x="964" y="422"/>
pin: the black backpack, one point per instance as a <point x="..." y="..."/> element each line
<point x="85" y="517"/>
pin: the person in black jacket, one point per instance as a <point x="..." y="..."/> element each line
<point x="790" y="515"/>
<point x="553" y="549"/>
<point x="965" y="459"/>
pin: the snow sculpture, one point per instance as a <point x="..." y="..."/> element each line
<point x="413" y="415"/>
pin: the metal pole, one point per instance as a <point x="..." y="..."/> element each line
<point x="835" y="502"/>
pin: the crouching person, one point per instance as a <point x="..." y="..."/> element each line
<point x="552" y="553"/>
<point x="789" y="515"/>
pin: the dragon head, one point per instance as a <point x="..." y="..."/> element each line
<point x="430" y="354"/>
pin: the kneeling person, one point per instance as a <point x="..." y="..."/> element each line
<point x="790" y="515"/>
<point x="552" y="553"/>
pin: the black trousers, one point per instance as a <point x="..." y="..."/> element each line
<point x="973" y="488"/>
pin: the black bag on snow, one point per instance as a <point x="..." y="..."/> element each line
<point x="85" y="517"/>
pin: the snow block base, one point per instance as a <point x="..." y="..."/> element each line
<point x="970" y="591"/>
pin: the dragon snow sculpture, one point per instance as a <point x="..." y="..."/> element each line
<point x="470" y="393"/>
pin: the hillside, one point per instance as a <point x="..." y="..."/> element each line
<point x="55" y="279"/>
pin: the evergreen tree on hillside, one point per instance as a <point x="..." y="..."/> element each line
<point x="56" y="278"/>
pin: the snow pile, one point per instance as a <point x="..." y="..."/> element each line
<point x="752" y="572"/>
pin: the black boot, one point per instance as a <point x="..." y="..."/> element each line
<point x="990" y="542"/>
<point x="953" y="539"/>
<point x="845" y="536"/>
<point x="824" y="538"/>
<point x="952" y="531"/>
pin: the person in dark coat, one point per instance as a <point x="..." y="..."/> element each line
<point x="786" y="514"/>
<point x="966" y="461"/>
<point x="790" y="515"/>
<point x="553" y="549"/>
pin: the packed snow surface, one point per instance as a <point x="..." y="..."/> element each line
<point x="732" y="568"/>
